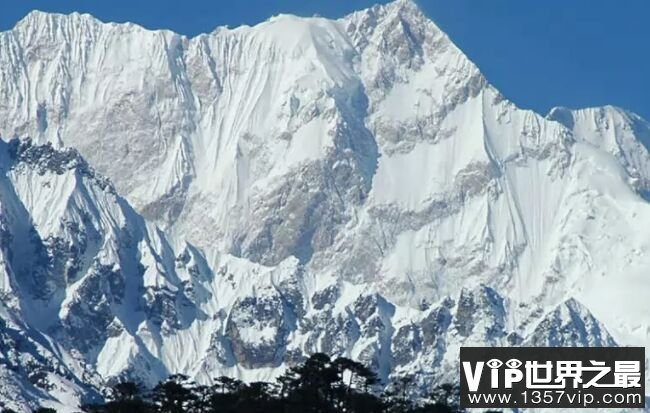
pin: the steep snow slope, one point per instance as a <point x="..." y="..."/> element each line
<point x="91" y="293"/>
<point x="353" y="186"/>
<point x="72" y="270"/>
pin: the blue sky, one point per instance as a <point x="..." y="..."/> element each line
<point x="540" y="54"/>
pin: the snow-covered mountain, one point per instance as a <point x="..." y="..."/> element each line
<point x="352" y="186"/>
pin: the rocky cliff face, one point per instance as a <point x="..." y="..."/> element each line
<point x="243" y="198"/>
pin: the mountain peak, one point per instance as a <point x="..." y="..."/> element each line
<point x="404" y="9"/>
<point x="38" y="17"/>
<point x="45" y="158"/>
<point x="570" y="324"/>
<point x="409" y="6"/>
<point x="339" y="179"/>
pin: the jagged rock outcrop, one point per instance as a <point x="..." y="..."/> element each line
<point x="570" y="325"/>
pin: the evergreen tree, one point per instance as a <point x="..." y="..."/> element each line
<point x="355" y="380"/>
<point x="319" y="385"/>
<point x="123" y="397"/>
<point x="202" y="402"/>
<point x="224" y="394"/>
<point x="258" y="397"/>
<point x="397" y="396"/>
<point x="310" y="386"/>
<point x="173" y="395"/>
<point x="125" y="391"/>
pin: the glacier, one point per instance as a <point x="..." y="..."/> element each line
<point x="232" y="202"/>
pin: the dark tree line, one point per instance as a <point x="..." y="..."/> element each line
<point x="319" y="385"/>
